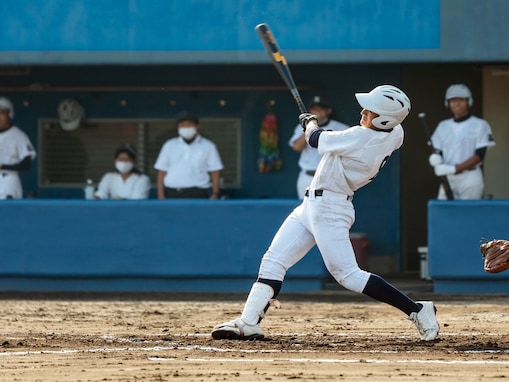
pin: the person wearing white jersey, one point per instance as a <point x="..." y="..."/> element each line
<point x="127" y="182"/>
<point x="188" y="165"/>
<point x="462" y="142"/>
<point x="309" y="157"/>
<point x="16" y="153"/>
<point x="351" y="159"/>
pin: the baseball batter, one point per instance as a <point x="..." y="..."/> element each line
<point x="309" y="157"/>
<point x="351" y="159"/>
<point x="463" y="141"/>
<point x="16" y="153"/>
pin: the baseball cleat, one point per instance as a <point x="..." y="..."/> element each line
<point x="425" y="320"/>
<point x="237" y="330"/>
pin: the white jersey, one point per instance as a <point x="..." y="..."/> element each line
<point x="309" y="156"/>
<point x="14" y="147"/>
<point x="113" y="186"/>
<point x="188" y="164"/>
<point x="353" y="157"/>
<point x="459" y="140"/>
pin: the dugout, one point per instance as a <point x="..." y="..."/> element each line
<point x="134" y="77"/>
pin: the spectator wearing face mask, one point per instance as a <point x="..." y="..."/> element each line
<point x="189" y="165"/>
<point x="127" y="182"/>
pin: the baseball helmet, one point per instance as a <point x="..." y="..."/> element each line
<point x="389" y="102"/>
<point x="6" y="104"/>
<point x="458" y="91"/>
<point x="320" y="101"/>
<point x="70" y="113"/>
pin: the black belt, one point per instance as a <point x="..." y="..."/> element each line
<point x="320" y="193"/>
<point x="317" y="193"/>
<point x="310" y="172"/>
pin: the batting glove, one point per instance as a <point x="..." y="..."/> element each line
<point x="435" y="159"/>
<point x="304" y="119"/>
<point x="444" y="169"/>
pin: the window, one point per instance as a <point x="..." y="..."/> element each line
<point x="68" y="158"/>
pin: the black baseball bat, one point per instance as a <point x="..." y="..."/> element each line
<point x="279" y="61"/>
<point x="443" y="178"/>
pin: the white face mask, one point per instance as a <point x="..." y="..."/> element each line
<point x="187" y="132"/>
<point x="124" y="167"/>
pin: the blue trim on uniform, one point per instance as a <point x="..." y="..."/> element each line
<point x="313" y="139"/>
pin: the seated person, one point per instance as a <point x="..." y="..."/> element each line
<point x="127" y="182"/>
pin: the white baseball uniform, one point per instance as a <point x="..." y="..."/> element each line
<point x="351" y="159"/>
<point x="14" y="147"/>
<point x="309" y="156"/>
<point x="188" y="164"/>
<point x="113" y="186"/>
<point x="458" y="141"/>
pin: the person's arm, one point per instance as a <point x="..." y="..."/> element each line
<point x="160" y="184"/>
<point x="299" y="144"/>
<point x="216" y="184"/>
<point x="24" y="165"/>
<point x="469" y="163"/>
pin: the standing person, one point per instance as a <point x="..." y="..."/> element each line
<point x="462" y="141"/>
<point x="188" y="165"/>
<point x="127" y="182"/>
<point x="351" y="159"/>
<point x="16" y="153"/>
<point x="309" y="157"/>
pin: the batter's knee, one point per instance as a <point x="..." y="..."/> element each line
<point x="354" y="280"/>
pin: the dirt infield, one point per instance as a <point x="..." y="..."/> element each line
<point x="327" y="336"/>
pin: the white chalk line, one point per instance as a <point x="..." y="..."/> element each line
<point x="251" y="351"/>
<point x="333" y="360"/>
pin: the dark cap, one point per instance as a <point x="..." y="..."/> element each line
<point x="319" y="101"/>
<point x="128" y="149"/>
<point x="187" y="116"/>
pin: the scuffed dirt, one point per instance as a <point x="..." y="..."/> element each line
<point x="323" y="336"/>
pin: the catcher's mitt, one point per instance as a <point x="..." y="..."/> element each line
<point x="496" y="255"/>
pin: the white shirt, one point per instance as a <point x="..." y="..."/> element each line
<point x="188" y="165"/>
<point x="309" y="156"/>
<point x="459" y="140"/>
<point x="353" y="157"/>
<point x="15" y="146"/>
<point x="112" y="186"/>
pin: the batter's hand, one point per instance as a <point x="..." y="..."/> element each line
<point x="304" y="119"/>
<point x="445" y="169"/>
<point x="435" y="159"/>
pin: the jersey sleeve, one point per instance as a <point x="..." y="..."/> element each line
<point x="297" y="133"/>
<point x="344" y="142"/>
<point x="214" y="162"/>
<point x="141" y="188"/>
<point x="162" y="159"/>
<point x="25" y="147"/>
<point x="103" y="189"/>
<point x="485" y="138"/>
